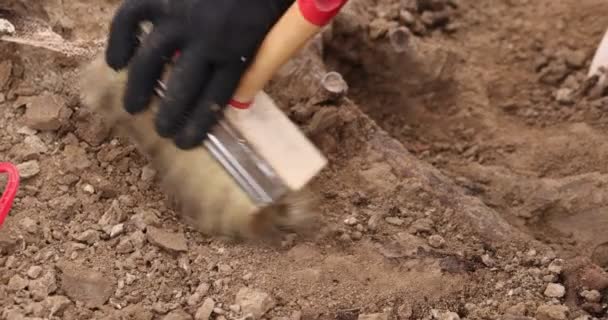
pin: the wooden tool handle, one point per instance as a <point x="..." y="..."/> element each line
<point x="286" y="37"/>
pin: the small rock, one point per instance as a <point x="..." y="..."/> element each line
<point x="147" y="173"/>
<point x="550" y="278"/>
<point x="89" y="237"/>
<point x="555" y="290"/>
<point x="552" y="312"/>
<point x="30" y="149"/>
<point x="351" y="221"/>
<point x="487" y="260"/>
<point x="447" y="315"/>
<point x="88" y="189"/>
<point x="254" y="302"/>
<point x="175" y="242"/>
<point x="46" y="112"/>
<point x="34" y="272"/>
<point x="373" y="316"/>
<point x="576" y="58"/>
<point x="564" y="96"/>
<point x="17" y="283"/>
<point x="556" y="266"/>
<point x="424" y="225"/>
<point x="6" y="27"/>
<point x="205" y="310"/>
<point x="29" y="225"/>
<point x="28" y="169"/>
<point x="517" y="310"/>
<point x="592" y="307"/>
<point x="436" y="241"/>
<point x="117" y="230"/>
<point x="591" y="295"/>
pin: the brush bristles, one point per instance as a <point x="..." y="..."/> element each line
<point x="205" y="195"/>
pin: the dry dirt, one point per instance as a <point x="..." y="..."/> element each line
<point x="466" y="178"/>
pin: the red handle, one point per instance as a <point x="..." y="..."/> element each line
<point x="6" y="201"/>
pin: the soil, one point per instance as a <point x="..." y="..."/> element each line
<point x="466" y="176"/>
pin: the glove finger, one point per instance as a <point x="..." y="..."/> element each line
<point x="148" y="64"/>
<point x="187" y="76"/>
<point x="216" y="95"/>
<point x="124" y="28"/>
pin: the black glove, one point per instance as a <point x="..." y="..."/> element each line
<point x="217" y="40"/>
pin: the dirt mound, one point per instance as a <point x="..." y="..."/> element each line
<point x="465" y="181"/>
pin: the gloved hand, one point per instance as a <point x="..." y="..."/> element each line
<point x="217" y="41"/>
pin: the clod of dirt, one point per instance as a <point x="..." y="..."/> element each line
<point x="75" y="158"/>
<point x="552" y="312"/>
<point x="56" y="305"/>
<point x="17" y="283"/>
<point x="205" y="310"/>
<point x="373" y="316"/>
<point x="28" y="169"/>
<point x="29" y="225"/>
<point x="82" y="284"/>
<point x="575" y="58"/>
<point x="6" y="28"/>
<point x="591" y="295"/>
<point x="6" y="68"/>
<point x="44" y="286"/>
<point x="46" y="112"/>
<point x="254" y="302"/>
<point x="555" y="290"/>
<point x="31" y="148"/>
<point x="173" y="242"/>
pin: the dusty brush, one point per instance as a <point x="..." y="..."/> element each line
<point x="222" y="188"/>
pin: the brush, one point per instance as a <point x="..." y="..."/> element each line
<point x="250" y="178"/>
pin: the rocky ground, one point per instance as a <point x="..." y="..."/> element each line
<point x="466" y="176"/>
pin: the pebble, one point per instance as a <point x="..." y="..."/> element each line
<point x="205" y="310"/>
<point x="422" y="225"/>
<point x="6" y="27"/>
<point x="254" y="302"/>
<point x="564" y="96"/>
<point x="28" y="169"/>
<point x="444" y="315"/>
<point x="350" y="221"/>
<point x="88" y="189"/>
<point x="147" y="173"/>
<point x="174" y="242"/>
<point x="89" y="237"/>
<point x="46" y="112"/>
<point x="552" y="312"/>
<point x="555" y="290"/>
<point x="436" y="241"/>
<point x="34" y="272"/>
<point x="591" y="295"/>
<point x="556" y="266"/>
<point x="550" y="278"/>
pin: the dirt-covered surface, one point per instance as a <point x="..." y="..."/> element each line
<point x="466" y="180"/>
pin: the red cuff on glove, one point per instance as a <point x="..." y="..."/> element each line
<point x="320" y="12"/>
